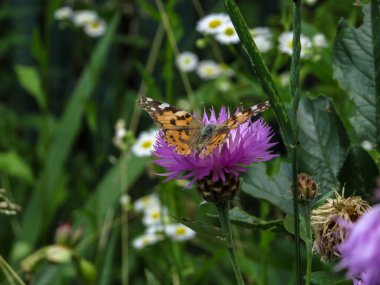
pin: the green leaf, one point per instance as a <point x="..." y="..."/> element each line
<point x="359" y="172"/>
<point x="323" y="142"/>
<point x="30" y="80"/>
<point x="327" y="278"/>
<point x="214" y="234"/>
<point x="12" y="164"/>
<point x="275" y="190"/>
<point x="357" y="68"/>
<point x="242" y="218"/>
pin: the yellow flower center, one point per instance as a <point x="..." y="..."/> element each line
<point x="209" y="70"/>
<point x="215" y="23"/>
<point x="95" y="25"/>
<point x="155" y="215"/>
<point x="146" y="144"/>
<point x="180" y="231"/>
<point x="186" y="60"/>
<point x="290" y="44"/>
<point x="229" y="32"/>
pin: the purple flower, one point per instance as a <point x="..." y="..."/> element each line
<point x="249" y="143"/>
<point x="360" y="251"/>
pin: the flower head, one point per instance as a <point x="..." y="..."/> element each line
<point x="248" y="143"/>
<point x="147" y="239"/>
<point x="95" y="28"/>
<point x="286" y="44"/>
<point x="147" y="202"/>
<point x="319" y="40"/>
<point x="263" y="38"/>
<point x="211" y="24"/>
<point x="208" y="69"/>
<point x="81" y="18"/>
<point x="179" y="232"/>
<point x="144" y="144"/>
<point x="227" y="34"/>
<point x="328" y="222"/>
<point x="187" y="61"/>
<point x="63" y="13"/>
<point x="360" y="251"/>
<point x="155" y="216"/>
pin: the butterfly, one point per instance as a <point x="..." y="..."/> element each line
<point x="189" y="134"/>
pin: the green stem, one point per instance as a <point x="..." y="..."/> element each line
<point x="295" y="90"/>
<point x="306" y="213"/>
<point x="223" y="211"/>
<point x="260" y="69"/>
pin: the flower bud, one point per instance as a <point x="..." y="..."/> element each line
<point x="63" y="234"/>
<point x="307" y="188"/>
<point x="218" y="191"/>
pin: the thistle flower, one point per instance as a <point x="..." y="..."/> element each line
<point x="219" y="172"/>
<point x="327" y="222"/>
<point x="360" y="251"/>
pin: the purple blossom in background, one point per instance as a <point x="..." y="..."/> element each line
<point x="360" y="251"/>
<point x="249" y="143"/>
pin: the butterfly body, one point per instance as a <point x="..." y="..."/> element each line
<point x="188" y="134"/>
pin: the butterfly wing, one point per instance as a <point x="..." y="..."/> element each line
<point x="221" y="133"/>
<point x="181" y="129"/>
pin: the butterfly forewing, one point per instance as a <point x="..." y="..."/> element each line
<point x="180" y="129"/>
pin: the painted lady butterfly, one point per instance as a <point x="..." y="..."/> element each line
<point x="187" y="133"/>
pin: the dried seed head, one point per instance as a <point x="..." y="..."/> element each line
<point x="218" y="191"/>
<point x="328" y="231"/>
<point x="307" y="188"/>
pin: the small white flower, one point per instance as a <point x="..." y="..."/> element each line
<point x="95" y="28"/>
<point x="187" y="61"/>
<point x="81" y="18"/>
<point x="155" y="216"/>
<point x="144" y="144"/>
<point x="319" y="40"/>
<point x="179" y="232"/>
<point x="227" y="34"/>
<point x="263" y="38"/>
<point x="155" y="229"/>
<point x="146" y="239"/>
<point x="286" y="44"/>
<point x="125" y="200"/>
<point x="224" y="85"/>
<point x="367" y="145"/>
<point x="226" y="71"/>
<point x="211" y="23"/>
<point x="311" y="2"/>
<point x="147" y="202"/>
<point x="284" y="79"/>
<point x="208" y="69"/>
<point x="63" y="13"/>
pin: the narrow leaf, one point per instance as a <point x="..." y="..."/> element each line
<point x="14" y="165"/>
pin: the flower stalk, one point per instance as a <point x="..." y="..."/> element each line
<point x="306" y="214"/>
<point x="223" y="211"/>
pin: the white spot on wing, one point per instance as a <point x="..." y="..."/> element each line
<point x="254" y="108"/>
<point x="163" y="106"/>
<point x="149" y="99"/>
<point x="153" y="109"/>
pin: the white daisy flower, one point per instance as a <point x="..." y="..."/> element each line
<point x="155" y="216"/>
<point x="63" y="13"/>
<point x="187" y="61"/>
<point x="179" y="232"/>
<point x="125" y="201"/>
<point x="263" y="38"/>
<point x="311" y="2"/>
<point x="81" y="18"/>
<point x="208" y="69"/>
<point x="146" y="239"/>
<point x="147" y="202"/>
<point x="367" y="145"/>
<point x="155" y="229"/>
<point x="211" y="23"/>
<point x="95" y="28"/>
<point x="286" y="44"/>
<point x="319" y="40"/>
<point x="144" y="144"/>
<point x="227" y="34"/>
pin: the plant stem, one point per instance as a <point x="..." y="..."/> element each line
<point x="295" y="90"/>
<point x="306" y="214"/>
<point x="223" y="211"/>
